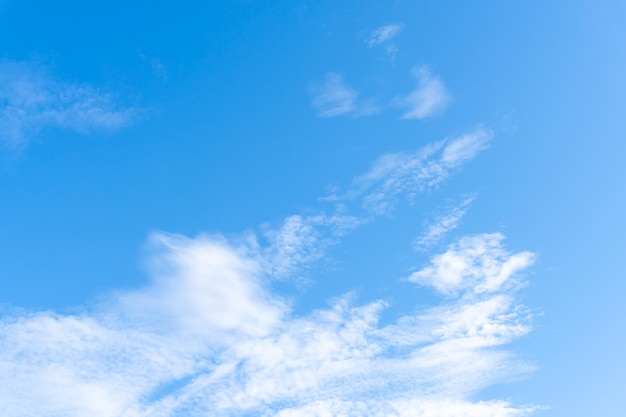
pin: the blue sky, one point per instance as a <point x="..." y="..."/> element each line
<point x="247" y="208"/>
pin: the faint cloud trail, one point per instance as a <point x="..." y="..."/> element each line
<point x="31" y="100"/>
<point x="333" y="97"/>
<point x="442" y="225"/>
<point x="384" y="34"/>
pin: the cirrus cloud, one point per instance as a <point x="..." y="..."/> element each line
<point x="32" y="100"/>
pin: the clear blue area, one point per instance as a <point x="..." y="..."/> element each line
<point x="227" y="140"/>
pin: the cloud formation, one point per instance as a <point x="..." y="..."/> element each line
<point x="208" y="336"/>
<point x="301" y="241"/>
<point x="384" y="34"/>
<point x="333" y="97"/>
<point x="477" y="265"/>
<point x="405" y="174"/>
<point x="436" y="230"/>
<point x="32" y="100"/>
<point x="429" y="98"/>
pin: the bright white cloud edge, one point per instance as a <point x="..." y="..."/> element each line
<point x="208" y="336"/>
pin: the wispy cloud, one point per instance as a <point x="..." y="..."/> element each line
<point x="476" y="265"/>
<point x="429" y="98"/>
<point x="32" y="100"/>
<point x="302" y="241"/>
<point x="333" y="97"/>
<point x="405" y="174"/>
<point x="443" y="224"/>
<point x="384" y="34"/>
<point x="209" y="337"/>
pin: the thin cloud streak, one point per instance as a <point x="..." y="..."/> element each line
<point x="384" y="34"/>
<point x="32" y="100"/>
<point x="436" y="230"/>
<point x="403" y="174"/>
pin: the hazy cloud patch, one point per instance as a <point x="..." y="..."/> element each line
<point x="430" y="98"/>
<point x="333" y="97"/>
<point x="32" y="100"/>
<point x="384" y="34"/>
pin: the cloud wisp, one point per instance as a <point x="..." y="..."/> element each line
<point x="384" y="34"/>
<point x="443" y="224"/>
<point x="403" y="175"/>
<point x="333" y="97"/>
<point x="32" y="100"/>
<point x="208" y="336"/>
<point x="304" y="240"/>
<point x="430" y="98"/>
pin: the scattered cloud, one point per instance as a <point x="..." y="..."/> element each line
<point x="208" y="336"/>
<point x="32" y="100"/>
<point x="406" y="174"/>
<point x="384" y="34"/>
<point x="303" y="240"/>
<point x="442" y="225"/>
<point x="476" y="264"/>
<point x="334" y="97"/>
<point x="429" y="98"/>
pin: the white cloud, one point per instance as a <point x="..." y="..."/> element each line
<point x="303" y="240"/>
<point x="405" y="174"/>
<point x="334" y="97"/>
<point x="429" y="98"/>
<point x="477" y="263"/>
<point x="208" y="337"/>
<point x="32" y="100"/>
<point x="384" y="34"/>
<point x="443" y="224"/>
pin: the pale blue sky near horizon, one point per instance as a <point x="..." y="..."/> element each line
<point x="123" y="120"/>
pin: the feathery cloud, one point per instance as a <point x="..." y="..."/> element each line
<point x="32" y="100"/>
<point x="442" y="225"/>
<point x="334" y="97"/>
<point x="429" y="98"/>
<point x="406" y="174"/>
<point x="384" y="34"/>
